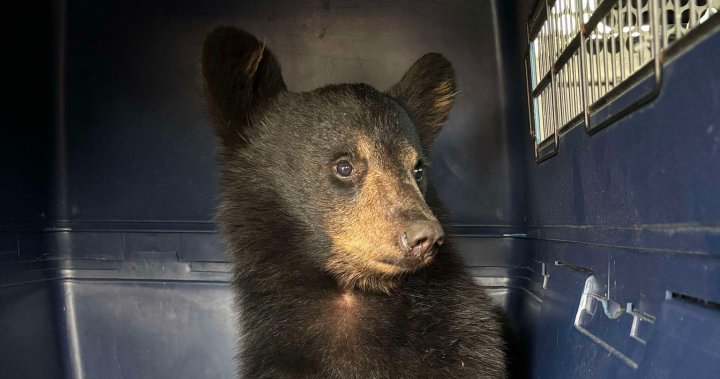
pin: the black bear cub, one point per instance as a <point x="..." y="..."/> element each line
<point x="341" y="267"/>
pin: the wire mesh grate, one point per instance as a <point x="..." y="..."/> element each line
<point x="582" y="50"/>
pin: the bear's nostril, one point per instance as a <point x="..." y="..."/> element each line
<point x="421" y="238"/>
<point x="421" y="248"/>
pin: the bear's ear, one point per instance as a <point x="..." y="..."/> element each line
<point x="241" y="78"/>
<point x="427" y="92"/>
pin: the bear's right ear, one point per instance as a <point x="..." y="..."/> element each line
<point x="427" y="92"/>
<point x="241" y="78"/>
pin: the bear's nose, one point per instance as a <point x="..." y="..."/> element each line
<point x="422" y="238"/>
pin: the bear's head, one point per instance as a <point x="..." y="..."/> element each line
<point x="346" y="164"/>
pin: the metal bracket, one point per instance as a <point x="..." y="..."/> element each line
<point x="587" y="308"/>
<point x="638" y="317"/>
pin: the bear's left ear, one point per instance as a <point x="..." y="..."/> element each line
<point x="427" y="92"/>
<point x="242" y="77"/>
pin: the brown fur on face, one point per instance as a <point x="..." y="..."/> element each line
<point x="366" y="232"/>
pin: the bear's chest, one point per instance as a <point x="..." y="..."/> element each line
<point x="349" y="317"/>
<point x="357" y="331"/>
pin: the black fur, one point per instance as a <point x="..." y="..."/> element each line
<point x="296" y="320"/>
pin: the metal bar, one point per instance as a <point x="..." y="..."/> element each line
<point x="597" y="65"/>
<point x="693" y="14"/>
<point x="572" y="90"/>
<point x="656" y="50"/>
<point x="540" y="115"/>
<point x="575" y="80"/>
<point x="583" y="75"/>
<point x="561" y="31"/>
<point x="631" y="49"/>
<point x="549" y="46"/>
<point x="553" y="91"/>
<point x="605" y="55"/>
<point x="548" y="114"/>
<point x="678" y="20"/>
<point x="563" y="26"/>
<point x="528" y="94"/>
<point x="541" y="52"/>
<point x="541" y="56"/>
<point x="541" y="118"/>
<point x="568" y="92"/>
<point x="556" y="36"/>
<point x="589" y="47"/>
<point x="546" y="37"/>
<point x="559" y="100"/>
<point x="569" y="87"/>
<point x="663" y="17"/>
<point x="577" y="83"/>
<point x="613" y="43"/>
<point x="566" y="97"/>
<point x="641" y="35"/>
<point x="581" y="81"/>
<point x="621" y="37"/>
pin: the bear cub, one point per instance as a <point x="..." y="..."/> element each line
<point x="341" y="267"/>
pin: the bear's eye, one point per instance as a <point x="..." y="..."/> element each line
<point x="344" y="168"/>
<point x="418" y="172"/>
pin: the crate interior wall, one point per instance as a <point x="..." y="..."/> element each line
<point x="110" y="266"/>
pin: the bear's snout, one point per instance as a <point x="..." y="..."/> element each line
<point x="421" y="239"/>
